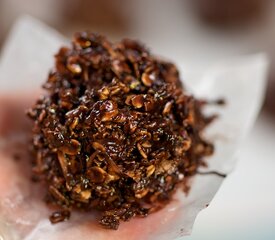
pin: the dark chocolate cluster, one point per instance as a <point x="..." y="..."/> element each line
<point x="116" y="131"/>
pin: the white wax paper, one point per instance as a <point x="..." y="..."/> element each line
<point x="27" y="58"/>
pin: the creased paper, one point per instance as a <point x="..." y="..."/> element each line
<point x="26" y="60"/>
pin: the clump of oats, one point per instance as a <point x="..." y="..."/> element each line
<point x="116" y="131"/>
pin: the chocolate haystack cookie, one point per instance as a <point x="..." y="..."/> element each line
<point x="116" y="131"/>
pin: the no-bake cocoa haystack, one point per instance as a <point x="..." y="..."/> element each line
<point x="116" y="131"/>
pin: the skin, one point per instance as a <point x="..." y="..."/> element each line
<point x="24" y="214"/>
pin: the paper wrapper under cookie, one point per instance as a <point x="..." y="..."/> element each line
<point x="240" y="81"/>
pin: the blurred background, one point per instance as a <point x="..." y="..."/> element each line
<point x="194" y="33"/>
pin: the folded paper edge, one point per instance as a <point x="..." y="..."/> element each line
<point x="25" y="21"/>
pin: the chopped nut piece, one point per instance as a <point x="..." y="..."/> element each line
<point x="72" y="148"/>
<point x="141" y="194"/>
<point x="128" y="100"/>
<point x="186" y="145"/>
<point x="146" y="144"/>
<point x="107" y="116"/>
<point x="150" y="170"/>
<point x="98" y="146"/>
<point x="147" y="79"/>
<point x="141" y="151"/>
<point x="74" y="123"/>
<point x="96" y="175"/>
<point x="149" y="106"/>
<point x="137" y="101"/>
<point x="58" y="195"/>
<point x="134" y="84"/>
<point x="74" y="68"/>
<point x="86" y="194"/>
<point x="166" y="166"/>
<point x="167" y="108"/>
<point x="110" y="178"/>
<point x="59" y="216"/>
<point x="77" y="188"/>
<point x="63" y="163"/>
<point x="104" y="93"/>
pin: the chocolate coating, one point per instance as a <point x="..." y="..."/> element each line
<point x="115" y="131"/>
